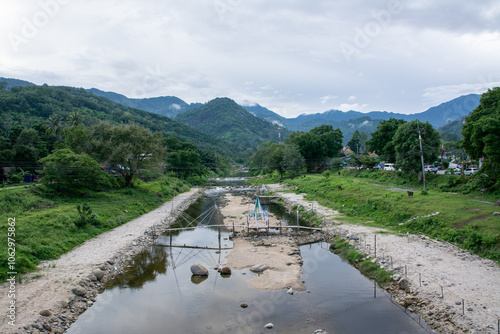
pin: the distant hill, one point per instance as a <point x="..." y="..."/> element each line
<point x="438" y="116"/>
<point x="169" y="106"/>
<point x="15" y="82"/>
<point x="452" y="131"/>
<point x="266" y="114"/>
<point x="30" y="104"/>
<point x="225" y="119"/>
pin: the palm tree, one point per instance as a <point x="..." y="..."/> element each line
<point x="75" y="119"/>
<point x="55" y="127"/>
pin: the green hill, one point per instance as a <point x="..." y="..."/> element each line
<point x="26" y="105"/>
<point x="226" y="120"/>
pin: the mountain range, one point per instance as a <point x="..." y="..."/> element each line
<point x="226" y="120"/>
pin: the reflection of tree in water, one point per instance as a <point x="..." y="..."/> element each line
<point x="144" y="267"/>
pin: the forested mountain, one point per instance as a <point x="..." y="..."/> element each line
<point x="14" y="82"/>
<point x="225" y="119"/>
<point x="438" y="116"/>
<point x="266" y="114"/>
<point x="27" y="105"/>
<point x="169" y="106"/>
<point x="452" y="131"/>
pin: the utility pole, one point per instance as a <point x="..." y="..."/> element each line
<point x="421" y="153"/>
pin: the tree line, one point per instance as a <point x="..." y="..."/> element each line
<point x="395" y="140"/>
<point x="70" y="155"/>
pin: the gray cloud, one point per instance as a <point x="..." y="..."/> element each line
<point x="401" y="56"/>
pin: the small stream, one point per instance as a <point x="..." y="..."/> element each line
<point x="158" y="294"/>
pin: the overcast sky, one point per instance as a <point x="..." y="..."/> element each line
<point x="291" y="56"/>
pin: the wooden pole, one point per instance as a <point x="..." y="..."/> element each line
<point x="375" y="246"/>
<point x="298" y="228"/>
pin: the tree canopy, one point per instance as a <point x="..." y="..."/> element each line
<point x="481" y="130"/>
<point x="407" y="145"/>
<point x="381" y="141"/>
<point x="317" y="145"/>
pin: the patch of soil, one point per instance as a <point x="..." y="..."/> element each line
<point x="465" y="222"/>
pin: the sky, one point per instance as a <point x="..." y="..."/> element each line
<point x="291" y="56"/>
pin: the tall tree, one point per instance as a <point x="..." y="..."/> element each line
<point x="407" y="145"/>
<point x="317" y="145"/>
<point x="293" y="162"/>
<point x="55" y="126"/>
<point x="381" y="140"/>
<point x="126" y="148"/>
<point x="481" y="130"/>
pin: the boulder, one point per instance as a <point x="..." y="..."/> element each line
<point x="244" y="305"/>
<point x="199" y="270"/>
<point x="258" y="268"/>
<point x="290" y="291"/>
<point x="225" y="271"/>
<point x="98" y="273"/>
<point x="269" y="325"/>
<point x="45" y="313"/>
<point x="404" y="284"/>
<point x="79" y="291"/>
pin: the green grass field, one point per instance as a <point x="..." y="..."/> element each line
<point x="47" y="227"/>
<point x="375" y="198"/>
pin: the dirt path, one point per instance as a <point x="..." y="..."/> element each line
<point x="50" y="288"/>
<point x="429" y="265"/>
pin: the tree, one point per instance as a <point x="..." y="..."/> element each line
<point x="407" y="146"/>
<point x="126" y="148"/>
<point x="317" y="145"/>
<point x="381" y="141"/>
<point x="292" y="162"/>
<point x="481" y="131"/>
<point x="185" y="163"/>
<point x="75" y="119"/>
<point x="356" y="144"/>
<point x="68" y="172"/>
<point x="55" y="126"/>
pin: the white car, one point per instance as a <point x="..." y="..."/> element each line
<point x="470" y="171"/>
<point x="389" y="167"/>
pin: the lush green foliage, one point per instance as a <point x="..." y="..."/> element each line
<point x="481" y="133"/>
<point x="317" y="145"/>
<point x="381" y="141"/>
<point x="358" y="142"/>
<point x="47" y="227"/>
<point x="371" y="196"/>
<point x="225" y="119"/>
<point x="67" y="172"/>
<point x="30" y="105"/>
<point x="407" y="145"/>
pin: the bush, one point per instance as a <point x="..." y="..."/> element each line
<point x="86" y="216"/>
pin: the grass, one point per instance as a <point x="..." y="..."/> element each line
<point x="366" y="267"/>
<point x="47" y="227"/>
<point x="463" y="219"/>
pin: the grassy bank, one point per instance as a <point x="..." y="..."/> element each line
<point x="47" y="227"/>
<point x="365" y="266"/>
<point x="378" y="198"/>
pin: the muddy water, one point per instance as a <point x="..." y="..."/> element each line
<point x="159" y="295"/>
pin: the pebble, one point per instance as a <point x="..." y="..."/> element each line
<point x="269" y="325"/>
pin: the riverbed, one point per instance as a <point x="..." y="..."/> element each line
<point x="158" y="293"/>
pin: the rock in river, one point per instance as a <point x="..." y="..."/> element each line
<point x="259" y="268"/>
<point x="198" y="269"/>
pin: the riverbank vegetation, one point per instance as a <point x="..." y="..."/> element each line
<point x="380" y="198"/>
<point x="48" y="224"/>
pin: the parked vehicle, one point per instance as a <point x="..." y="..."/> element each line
<point x="470" y="171"/>
<point x="430" y="169"/>
<point x="390" y="167"/>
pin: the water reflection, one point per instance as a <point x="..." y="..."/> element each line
<point x="158" y="294"/>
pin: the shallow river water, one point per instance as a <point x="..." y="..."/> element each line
<point x="159" y="295"/>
